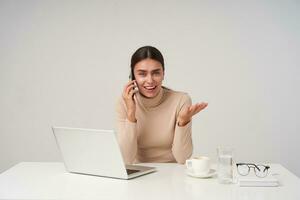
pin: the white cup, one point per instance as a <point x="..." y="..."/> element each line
<point x="198" y="165"/>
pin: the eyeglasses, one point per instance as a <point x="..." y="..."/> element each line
<point x="260" y="170"/>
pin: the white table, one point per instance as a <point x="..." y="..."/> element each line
<point x="40" y="180"/>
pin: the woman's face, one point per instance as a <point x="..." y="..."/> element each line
<point x="149" y="75"/>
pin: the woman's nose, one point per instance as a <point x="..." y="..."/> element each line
<point x="149" y="79"/>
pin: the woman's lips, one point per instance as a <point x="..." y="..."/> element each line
<point x="150" y="88"/>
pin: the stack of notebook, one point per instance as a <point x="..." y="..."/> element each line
<point x="254" y="181"/>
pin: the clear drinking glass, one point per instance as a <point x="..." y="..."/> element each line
<point x="225" y="165"/>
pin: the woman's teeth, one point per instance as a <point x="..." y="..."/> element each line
<point x="150" y="88"/>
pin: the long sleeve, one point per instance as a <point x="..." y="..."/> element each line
<point x="126" y="133"/>
<point x="182" y="144"/>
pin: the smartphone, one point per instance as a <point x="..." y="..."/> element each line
<point x="131" y="77"/>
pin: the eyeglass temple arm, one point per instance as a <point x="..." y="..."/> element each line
<point x="266" y="167"/>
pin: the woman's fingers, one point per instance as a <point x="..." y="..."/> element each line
<point x="128" y="89"/>
<point x="129" y="83"/>
<point x="194" y="109"/>
<point x="200" y="106"/>
<point x="131" y="93"/>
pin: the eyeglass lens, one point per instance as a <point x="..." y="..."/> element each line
<point x="243" y="169"/>
<point x="260" y="170"/>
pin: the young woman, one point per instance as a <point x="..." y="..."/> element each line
<point x="153" y="122"/>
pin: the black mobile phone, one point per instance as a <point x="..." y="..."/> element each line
<point x="131" y="77"/>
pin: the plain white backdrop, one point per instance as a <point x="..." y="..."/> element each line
<point x="64" y="63"/>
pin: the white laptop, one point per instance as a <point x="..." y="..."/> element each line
<point x="95" y="152"/>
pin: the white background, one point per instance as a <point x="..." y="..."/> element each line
<point x="64" y="63"/>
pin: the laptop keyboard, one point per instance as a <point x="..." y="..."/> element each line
<point x="131" y="171"/>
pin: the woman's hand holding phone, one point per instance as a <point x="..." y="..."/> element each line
<point x="128" y="95"/>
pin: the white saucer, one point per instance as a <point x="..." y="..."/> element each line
<point x="209" y="174"/>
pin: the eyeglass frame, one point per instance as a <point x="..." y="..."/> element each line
<point x="255" y="167"/>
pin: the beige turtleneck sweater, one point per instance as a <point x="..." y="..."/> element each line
<point x="156" y="136"/>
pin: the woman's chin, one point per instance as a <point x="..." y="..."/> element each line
<point x="149" y="94"/>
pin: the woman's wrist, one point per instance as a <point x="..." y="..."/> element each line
<point x="133" y="120"/>
<point x="131" y="117"/>
<point x="183" y="123"/>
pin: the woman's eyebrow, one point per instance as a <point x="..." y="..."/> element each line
<point x="154" y="70"/>
<point x="141" y="70"/>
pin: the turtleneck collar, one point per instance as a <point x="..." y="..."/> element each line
<point x="151" y="102"/>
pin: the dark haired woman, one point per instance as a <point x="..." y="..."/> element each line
<point x="153" y="123"/>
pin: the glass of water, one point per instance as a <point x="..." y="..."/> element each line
<point x="225" y="165"/>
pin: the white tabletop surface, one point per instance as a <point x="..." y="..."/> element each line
<point x="44" y="180"/>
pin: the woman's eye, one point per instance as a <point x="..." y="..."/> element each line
<point x="142" y="74"/>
